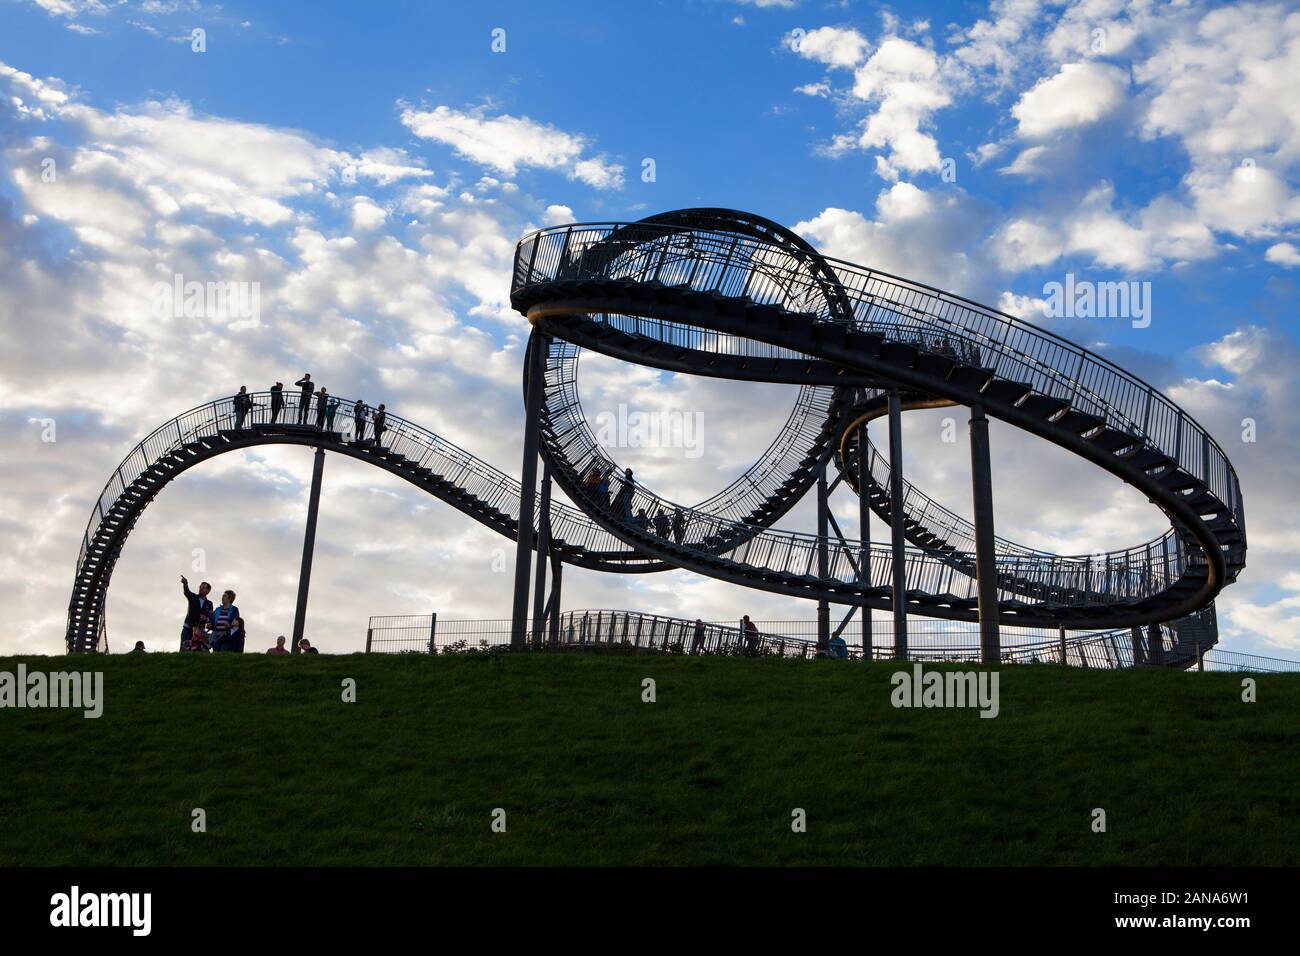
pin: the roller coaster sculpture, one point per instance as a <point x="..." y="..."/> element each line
<point x="723" y="293"/>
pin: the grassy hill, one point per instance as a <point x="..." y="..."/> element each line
<point x="589" y="774"/>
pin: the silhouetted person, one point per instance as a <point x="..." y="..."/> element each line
<point x="697" y="642"/>
<point x="322" y="403"/>
<point x="277" y="401"/>
<point x="330" y="410"/>
<point x="623" y="501"/>
<point x="751" y="636"/>
<point x="197" y="610"/>
<point x="304" y="646"/>
<point x="380" y="423"/>
<point x="243" y="405"/>
<point x="679" y="525"/>
<point x="602" y="489"/>
<point x="359" y="412"/>
<point x="279" y="646"/>
<point x="139" y="648"/>
<point x="304" y="400"/>
<point x="661" y="523"/>
<point x="642" y="520"/>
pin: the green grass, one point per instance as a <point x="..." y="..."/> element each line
<point x="588" y="774"/>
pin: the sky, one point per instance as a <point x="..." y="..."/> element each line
<point x="371" y="166"/>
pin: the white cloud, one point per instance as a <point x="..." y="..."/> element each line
<point x="836" y="47"/>
<point x="1079" y="94"/>
<point x="366" y="215"/>
<point x="1284" y="254"/>
<point x="902" y="80"/>
<point x="507" y="143"/>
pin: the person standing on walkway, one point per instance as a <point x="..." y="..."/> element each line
<point x="380" y="423"/>
<point x="623" y="503"/>
<point x="679" y="525"/>
<point x="277" y="401"/>
<point x="602" y="489"/>
<point x="359" y="412"/>
<point x="304" y="400"/>
<point x="322" y="402"/>
<point x="697" y="642"/>
<point x="197" y="611"/>
<point x="243" y="405"/>
<point x="330" y="409"/>
<point x="751" y="636"/>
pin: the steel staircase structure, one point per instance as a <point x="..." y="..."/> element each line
<point x="732" y="295"/>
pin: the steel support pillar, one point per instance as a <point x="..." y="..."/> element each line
<point x="543" y="556"/>
<point x="986" y="567"/>
<point x="823" y="560"/>
<point x="538" y="347"/>
<point x="557" y="578"/>
<point x="308" y="549"/>
<point x="899" y="588"/>
<point x="864" y="539"/>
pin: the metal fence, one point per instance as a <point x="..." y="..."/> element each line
<point x="928" y="640"/>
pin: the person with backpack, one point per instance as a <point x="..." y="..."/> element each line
<point x="359" y="412"/>
<point x="277" y="401"/>
<point x="197" y="610"/>
<point x="223" y="619"/>
<point x="243" y="405"/>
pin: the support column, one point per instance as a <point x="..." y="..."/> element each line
<point x="543" y="555"/>
<point x="538" y="347"/>
<point x="308" y="548"/>
<point x="557" y="578"/>
<point x="986" y="569"/>
<point x="823" y="560"/>
<point x="864" y="538"/>
<point x="899" y="589"/>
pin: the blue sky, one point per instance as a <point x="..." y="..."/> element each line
<point x="371" y="166"/>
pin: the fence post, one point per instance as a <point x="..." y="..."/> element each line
<point x="1061" y="638"/>
<point x="433" y="633"/>
<point x="370" y="631"/>
<point x="1200" y="660"/>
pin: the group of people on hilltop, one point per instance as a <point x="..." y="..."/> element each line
<point x="209" y="628"/>
<point x="597" y="487"/>
<point x="326" y="409"/>
<point x="218" y="628"/>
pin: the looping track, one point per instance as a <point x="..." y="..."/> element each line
<point x="732" y="295"/>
